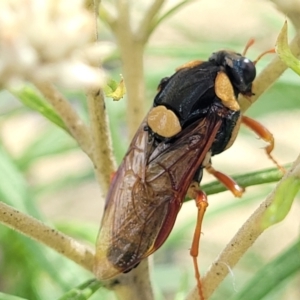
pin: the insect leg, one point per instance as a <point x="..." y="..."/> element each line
<point x="264" y="134"/>
<point x="201" y="203"/>
<point x="229" y="182"/>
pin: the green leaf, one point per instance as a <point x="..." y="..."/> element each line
<point x="13" y="187"/>
<point x="115" y="90"/>
<point x="272" y="275"/>
<point x="83" y="291"/>
<point x="10" y="297"/>
<point x="283" y="199"/>
<point x="33" y="100"/>
<point x="284" y="52"/>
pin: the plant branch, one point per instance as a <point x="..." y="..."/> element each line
<point x="46" y="235"/>
<point x="131" y="50"/>
<point x="159" y="19"/>
<point x="65" y="110"/>
<point x="135" y="284"/>
<point x="93" y="7"/>
<point x="107" y="17"/>
<point x="145" y="26"/>
<point x="104" y="161"/>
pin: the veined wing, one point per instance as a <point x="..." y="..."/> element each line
<point x="147" y="193"/>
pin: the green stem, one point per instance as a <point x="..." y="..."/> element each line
<point x="245" y="180"/>
<point x="83" y="291"/>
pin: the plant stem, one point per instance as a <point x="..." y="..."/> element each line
<point x="131" y="50"/>
<point x="136" y="284"/>
<point x="50" y="237"/>
<point x="144" y="30"/>
<point x="104" y="161"/>
<point x="83" y="291"/>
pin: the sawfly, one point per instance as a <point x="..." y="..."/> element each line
<point x="195" y="115"/>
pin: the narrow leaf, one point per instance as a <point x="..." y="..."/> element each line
<point x="284" y="52"/>
<point x="13" y="187"/>
<point x="83" y="291"/>
<point x="283" y="199"/>
<point x="30" y="98"/>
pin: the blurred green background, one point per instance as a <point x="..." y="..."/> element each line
<point x="44" y="173"/>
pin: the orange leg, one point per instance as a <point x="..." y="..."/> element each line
<point x="264" y="134"/>
<point x="230" y="183"/>
<point x="201" y="203"/>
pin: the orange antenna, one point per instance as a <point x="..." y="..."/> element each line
<point x="263" y="54"/>
<point x="248" y="45"/>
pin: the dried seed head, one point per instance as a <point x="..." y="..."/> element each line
<point x="48" y="40"/>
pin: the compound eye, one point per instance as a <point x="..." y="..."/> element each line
<point x="248" y="69"/>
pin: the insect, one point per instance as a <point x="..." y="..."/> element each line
<point x="195" y="115"/>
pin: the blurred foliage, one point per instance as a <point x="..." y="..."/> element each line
<point x="273" y="276"/>
<point x="284" y="52"/>
<point x="283" y="200"/>
<point x="32" y="271"/>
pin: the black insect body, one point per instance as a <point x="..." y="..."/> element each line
<point x="192" y="93"/>
<point x="195" y="115"/>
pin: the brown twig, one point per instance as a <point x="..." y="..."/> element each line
<point x="104" y="161"/>
<point x="131" y="50"/>
<point x="46" y="235"/>
<point x="136" y="284"/>
<point x="103" y="158"/>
